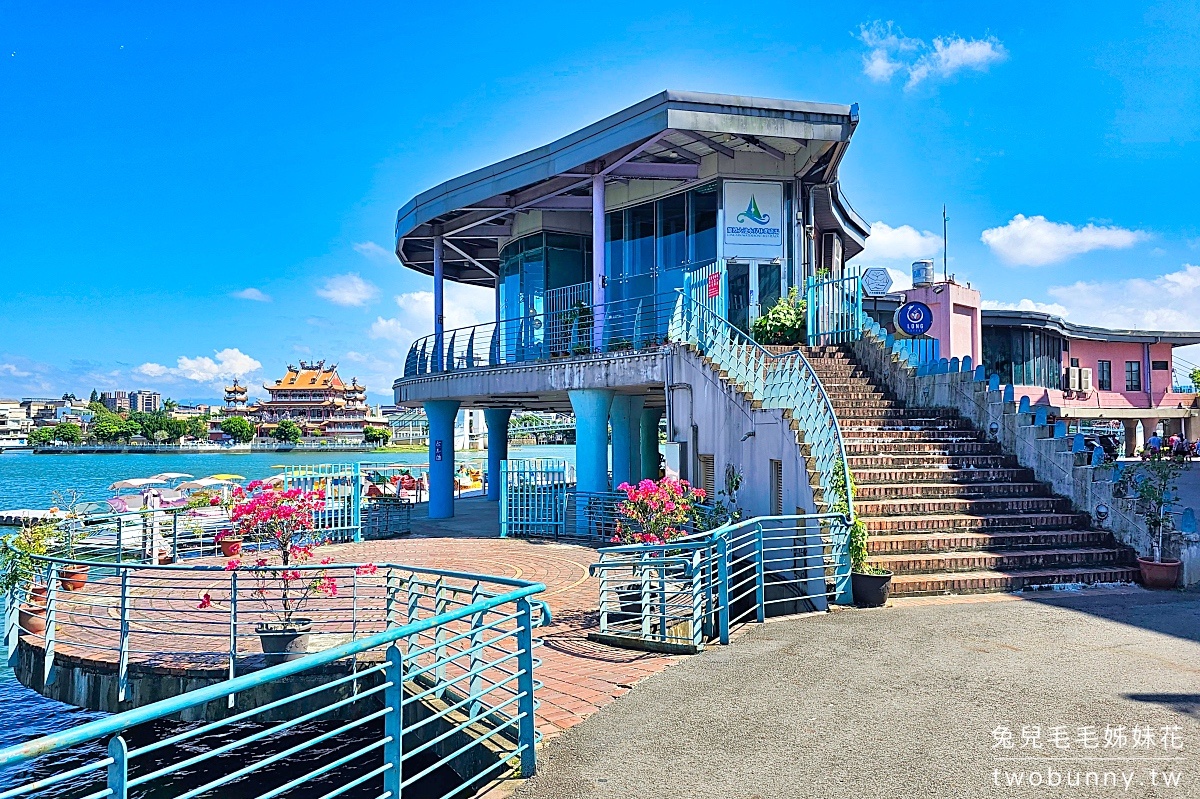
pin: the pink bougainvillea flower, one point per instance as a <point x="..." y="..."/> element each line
<point x="205" y="602"/>
<point x="233" y="565"/>
<point x="366" y="568"/>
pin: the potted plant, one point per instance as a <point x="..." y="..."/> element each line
<point x="17" y="559"/>
<point x="784" y="324"/>
<point x="65" y="532"/>
<point x="1152" y="484"/>
<point x="280" y="523"/>
<point x="654" y="512"/>
<point x="870" y="585"/>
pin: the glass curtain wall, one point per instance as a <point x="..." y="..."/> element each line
<point x="1023" y="357"/>
<point x="529" y="266"/>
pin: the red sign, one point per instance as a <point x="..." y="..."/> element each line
<point x="714" y="285"/>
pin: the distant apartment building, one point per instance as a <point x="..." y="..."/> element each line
<point x="115" y="400"/>
<point x="145" y="401"/>
<point x="15" y="424"/>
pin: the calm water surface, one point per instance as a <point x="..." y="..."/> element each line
<point x="28" y="480"/>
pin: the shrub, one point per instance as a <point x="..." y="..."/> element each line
<point x="785" y="323"/>
<point x="657" y="512"/>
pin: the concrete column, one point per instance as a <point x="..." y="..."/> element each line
<point x="636" y="405"/>
<point x="497" y="443"/>
<point x="1131" y="441"/>
<point x="441" y="414"/>
<point x="649" y="442"/>
<point x="439" y="273"/>
<point x="1149" y="425"/>
<point x="591" y="407"/>
<point x="621" y="417"/>
<point x="599" y="267"/>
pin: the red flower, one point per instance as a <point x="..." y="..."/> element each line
<point x="233" y="565"/>
<point x="367" y="568"/>
<point x="205" y="602"/>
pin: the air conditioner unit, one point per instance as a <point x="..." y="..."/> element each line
<point x="1085" y="379"/>
<point x="1071" y="383"/>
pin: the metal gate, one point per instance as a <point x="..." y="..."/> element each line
<point x="339" y="520"/>
<point x="533" y="497"/>
<point x="834" y="310"/>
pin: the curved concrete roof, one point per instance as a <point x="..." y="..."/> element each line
<point x="662" y="137"/>
<point x="1007" y="318"/>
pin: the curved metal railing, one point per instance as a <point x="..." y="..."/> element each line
<point x="786" y="381"/>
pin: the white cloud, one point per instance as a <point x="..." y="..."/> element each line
<point x="1036" y="241"/>
<point x="251" y="294"/>
<point x="903" y="242"/>
<point x="890" y="52"/>
<point x="227" y="363"/>
<point x="463" y="306"/>
<point x="954" y="55"/>
<point x="348" y="289"/>
<point x="1165" y="302"/>
<point x="372" y="250"/>
<point x="13" y="370"/>
<point x="1026" y="305"/>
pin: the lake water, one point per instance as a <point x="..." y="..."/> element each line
<point x="28" y="481"/>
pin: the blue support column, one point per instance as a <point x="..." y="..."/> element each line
<point x="622" y="418"/>
<point x="441" y="414"/>
<point x="636" y="405"/>
<point x="649" y="442"/>
<point x="497" y="429"/>
<point x="591" y="406"/>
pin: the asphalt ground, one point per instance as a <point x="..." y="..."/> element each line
<point x="912" y="700"/>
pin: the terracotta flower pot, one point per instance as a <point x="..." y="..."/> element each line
<point x="37" y="595"/>
<point x="32" y="619"/>
<point x="231" y="545"/>
<point x="1163" y="574"/>
<point x="163" y="558"/>
<point x="73" y="577"/>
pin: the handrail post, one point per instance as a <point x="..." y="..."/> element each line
<point x="697" y="602"/>
<point x="476" y="686"/>
<point x="356" y="503"/>
<point x="760" y="576"/>
<point x="233" y="625"/>
<point x="390" y="599"/>
<point x="123" y="656"/>
<point x="527" y="724"/>
<point x="118" y="770"/>
<point x="643" y="575"/>
<point x="175" y="537"/>
<point x="723" y="590"/>
<point x="393" y="722"/>
<point x="120" y="540"/>
<point x="11" y="625"/>
<point x="662" y="596"/>
<point x="51" y="618"/>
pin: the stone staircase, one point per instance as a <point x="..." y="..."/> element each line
<point x="947" y="510"/>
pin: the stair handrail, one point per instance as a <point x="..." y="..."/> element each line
<point x="683" y="327"/>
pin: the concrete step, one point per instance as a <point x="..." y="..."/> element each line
<point x="965" y="522"/>
<point x="942" y="474"/>
<point x="1003" y="560"/>
<point x="929" y="461"/>
<point x="865" y="492"/>
<point x="985" y="581"/>
<point x="897" y="413"/>
<point x="973" y="506"/>
<point x="905" y="447"/>
<point x="907" y="543"/>
<point x="909" y="434"/>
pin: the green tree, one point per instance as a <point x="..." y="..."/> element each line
<point x="1195" y="375"/>
<point x="237" y="428"/>
<point x="169" y="405"/>
<point x="95" y="397"/>
<point x="377" y="435"/>
<point x="129" y="429"/>
<point x="288" y="432"/>
<point x="106" y="428"/>
<point x="41" y="436"/>
<point x="68" y="433"/>
<point x="97" y="407"/>
<point x="197" y="426"/>
<point x="176" y="429"/>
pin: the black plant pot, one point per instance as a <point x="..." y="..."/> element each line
<point x="282" y="642"/>
<point x="871" y="590"/>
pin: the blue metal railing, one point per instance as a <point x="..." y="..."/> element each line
<point x="691" y="590"/>
<point x="834" y="310"/>
<point x="916" y="350"/>
<point x="446" y="675"/>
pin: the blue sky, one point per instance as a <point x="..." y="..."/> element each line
<point x="192" y="194"/>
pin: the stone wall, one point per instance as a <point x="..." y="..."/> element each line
<point x="1023" y="431"/>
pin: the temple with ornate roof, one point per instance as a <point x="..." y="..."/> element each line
<point x="313" y="395"/>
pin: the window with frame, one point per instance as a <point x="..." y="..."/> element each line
<point x="1133" y="375"/>
<point x="1104" y="375"/>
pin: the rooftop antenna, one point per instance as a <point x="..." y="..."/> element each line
<point x="945" y="219"/>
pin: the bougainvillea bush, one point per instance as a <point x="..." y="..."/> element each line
<point x="280" y="522"/>
<point x="656" y="512"/>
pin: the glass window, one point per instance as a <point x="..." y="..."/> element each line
<point x="1160" y="366"/>
<point x="639" y="251"/>
<point x="1133" y="376"/>
<point x="1104" y="375"/>
<point x="702" y="224"/>
<point x="565" y="264"/>
<point x="769" y="286"/>
<point x="1023" y="357"/>
<point x="672" y="230"/>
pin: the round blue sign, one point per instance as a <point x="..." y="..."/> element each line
<point x="913" y="319"/>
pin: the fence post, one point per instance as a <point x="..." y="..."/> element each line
<point x="11" y="626"/>
<point x="527" y="724"/>
<point x="843" y="592"/>
<point x="393" y="588"/>
<point x="760" y="577"/>
<point x="123" y="657"/>
<point x="233" y="592"/>
<point x="118" y="770"/>
<point x="356" y="503"/>
<point x="476" y="687"/>
<point x="440" y="600"/>
<point x="51" y="618"/>
<point x="698" y="615"/>
<point x="120" y="540"/>
<point x="723" y="589"/>
<point x="393" y="722"/>
<point x="175" y="537"/>
<point x="643" y="575"/>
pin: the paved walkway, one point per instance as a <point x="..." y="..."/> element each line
<point x="578" y="677"/>
<point x="909" y="701"/>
